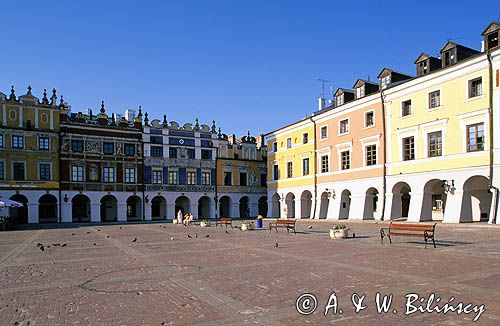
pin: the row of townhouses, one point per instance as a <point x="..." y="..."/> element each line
<point x="424" y="147"/>
<point x="81" y="167"/>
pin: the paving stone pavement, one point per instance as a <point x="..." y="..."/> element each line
<point x="97" y="275"/>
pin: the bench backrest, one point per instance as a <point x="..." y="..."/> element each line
<point x="285" y="221"/>
<point x="412" y="227"/>
<point x="226" y="219"/>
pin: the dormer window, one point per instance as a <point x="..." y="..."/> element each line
<point x="339" y="100"/>
<point x="449" y="57"/>
<point x="360" y="92"/>
<point x="385" y="81"/>
<point x="492" y="40"/>
<point x="423" y="68"/>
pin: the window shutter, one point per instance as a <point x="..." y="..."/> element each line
<point x="198" y="176"/>
<point x="182" y="176"/>
<point x="165" y="175"/>
<point x="147" y="175"/>
<point x="213" y="177"/>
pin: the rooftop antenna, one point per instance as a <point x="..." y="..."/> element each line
<point x="323" y="82"/>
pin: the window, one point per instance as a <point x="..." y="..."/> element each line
<point x="406" y="108"/>
<point x="339" y="100"/>
<point x="435" y="144"/>
<point x="475" y="137"/>
<point x="156" y="151"/>
<point x="172" y="152"/>
<point x="157" y="177"/>
<point x="369" y="119"/>
<point x="44" y="170"/>
<point x="17" y="141"/>
<point x="324" y="132"/>
<point x="344" y="126"/>
<point x="156" y="139"/>
<point x="263" y="180"/>
<point x="228" y="178"/>
<point x="475" y="87"/>
<point x="360" y="92"/>
<point x="190" y="153"/>
<point x="77" y="173"/>
<point x="1" y="140"/>
<point x="422" y="68"/>
<point x="129" y="149"/>
<point x="437" y="202"/>
<point x="108" y="148"/>
<point x="324" y="164"/>
<point x="275" y="172"/>
<point x="108" y="174"/>
<point x="206" y="154"/>
<point x="305" y="166"/>
<point x="43" y="143"/>
<point x="345" y="158"/>
<point x="385" y="81"/>
<point x="275" y="147"/>
<point x="172" y="177"/>
<point x="408" y="148"/>
<point x="130" y="175"/>
<point x="2" y="170"/>
<point x="371" y="155"/>
<point x="492" y="40"/>
<point x="305" y="138"/>
<point x="18" y="170"/>
<point x="205" y="178"/>
<point x="191" y="178"/>
<point x="449" y="57"/>
<point x="289" y="143"/>
<point x="243" y="179"/>
<point x="77" y="146"/>
<point x="289" y="170"/>
<point x="434" y="99"/>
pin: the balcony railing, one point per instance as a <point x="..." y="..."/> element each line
<point x="179" y="162"/>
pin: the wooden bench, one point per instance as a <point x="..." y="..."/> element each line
<point x="289" y="224"/>
<point x="224" y="221"/>
<point x="425" y="231"/>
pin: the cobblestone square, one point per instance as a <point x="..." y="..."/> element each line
<point x="174" y="275"/>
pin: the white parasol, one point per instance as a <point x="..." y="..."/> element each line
<point x="9" y="203"/>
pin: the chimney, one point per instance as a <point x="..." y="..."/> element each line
<point x="321" y="103"/>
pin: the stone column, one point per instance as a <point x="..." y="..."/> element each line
<point x="211" y="209"/>
<point x="453" y="207"/>
<point x="357" y="208"/>
<point x="121" y="211"/>
<point x="147" y="211"/>
<point x="95" y="213"/>
<point x="66" y="213"/>
<point x="415" y="210"/>
<point x="235" y="210"/>
<point x="334" y="207"/>
<point x="171" y="214"/>
<point x="254" y="209"/>
<point x="32" y="213"/>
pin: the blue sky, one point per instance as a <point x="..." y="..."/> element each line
<point x="250" y="65"/>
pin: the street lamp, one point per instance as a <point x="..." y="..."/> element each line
<point x="448" y="185"/>
<point x="216" y="200"/>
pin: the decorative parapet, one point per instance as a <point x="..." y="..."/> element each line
<point x="180" y="188"/>
<point x="179" y="162"/>
<point x="242" y="189"/>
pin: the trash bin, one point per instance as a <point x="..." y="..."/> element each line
<point x="259" y="222"/>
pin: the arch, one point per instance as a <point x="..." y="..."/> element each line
<point x="19" y="214"/>
<point x="305" y="204"/>
<point x="134" y="208"/>
<point x="371" y="204"/>
<point x="183" y="204"/>
<point x="263" y="206"/>
<point x="80" y="207"/>
<point x="324" y="203"/>
<point x="433" y="201"/>
<point x="225" y="206"/>
<point x="47" y="209"/>
<point x="290" y="205"/>
<point x="476" y="200"/>
<point x="158" y="208"/>
<point x="109" y="209"/>
<point x="275" y="205"/>
<point x="244" y="207"/>
<point x="400" y="200"/>
<point x="345" y="204"/>
<point x="204" y="207"/>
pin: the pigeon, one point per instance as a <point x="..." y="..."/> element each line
<point x="48" y="246"/>
<point x="196" y="235"/>
<point x="135" y="239"/>
<point x="41" y="247"/>
<point x="64" y="245"/>
<point x="120" y="227"/>
<point x="354" y="235"/>
<point x="310" y="226"/>
<point x="276" y="245"/>
<point x="207" y="235"/>
<point x="98" y="230"/>
<point x="73" y="233"/>
<point x="189" y="236"/>
<point x="227" y="232"/>
<point x="38" y="244"/>
<point x="171" y="238"/>
<point x="88" y="232"/>
<point x="94" y="243"/>
<point x="56" y="244"/>
<point x="107" y="236"/>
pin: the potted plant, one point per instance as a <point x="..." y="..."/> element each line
<point x="339" y="232"/>
<point x="175" y="221"/>
<point x="247" y="226"/>
<point x="204" y="223"/>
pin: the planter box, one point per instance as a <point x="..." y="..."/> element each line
<point x="204" y="223"/>
<point x="175" y="221"/>
<point x="247" y="226"/>
<point x="339" y="234"/>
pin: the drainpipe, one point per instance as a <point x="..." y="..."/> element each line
<point x="490" y="113"/>
<point x="59" y="218"/>
<point x="315" y="172"/>
<point x="384" y="142"/>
